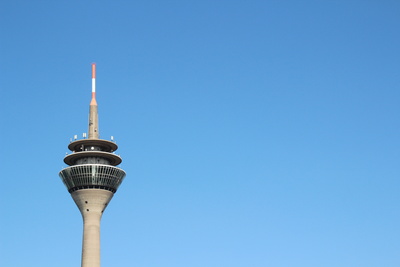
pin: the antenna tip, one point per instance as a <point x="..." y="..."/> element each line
<point x="93" y="70"/>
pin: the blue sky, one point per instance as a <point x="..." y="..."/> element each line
<point x="253" y="133"/>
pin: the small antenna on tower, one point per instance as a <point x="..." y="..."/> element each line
<point x="112" y="138"/>
<point x="84" y="135"/>
<point x="75" y="137"/>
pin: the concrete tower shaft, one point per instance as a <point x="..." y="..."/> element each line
<point x="91" y="203"/>
<point x="92" y="178"/>
<point x="93" y="122"/>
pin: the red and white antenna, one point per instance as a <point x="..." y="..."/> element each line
<point x="93" y="114"/>
<point x="93" y="102"/>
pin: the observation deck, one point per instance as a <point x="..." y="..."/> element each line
<point x="112" y="159"/>
<point x="104" y="145"/>
<point x="92" y="176"/>
<point x="96" y="150"/>
<point x="92" y="165"/>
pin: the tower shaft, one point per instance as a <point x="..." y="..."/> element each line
<point x="91" y="203"/>
<point x="93" y="122"/>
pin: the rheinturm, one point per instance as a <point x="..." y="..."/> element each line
<point x="92" y="179"/>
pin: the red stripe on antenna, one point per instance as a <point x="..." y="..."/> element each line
<point x="94" y="71"/>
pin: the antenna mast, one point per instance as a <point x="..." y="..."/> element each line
<point x="93" y="109"/>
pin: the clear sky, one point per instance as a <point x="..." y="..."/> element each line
<point x="253" y="133"/>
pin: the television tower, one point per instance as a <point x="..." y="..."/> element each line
<point x="92" y="179"/>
